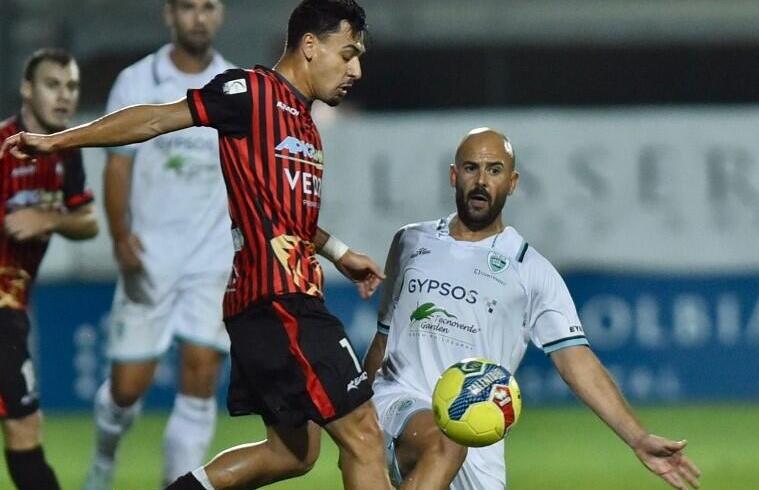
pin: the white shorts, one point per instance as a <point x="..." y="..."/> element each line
<point x="483" y="469"/>
<point x="143" y="323"/>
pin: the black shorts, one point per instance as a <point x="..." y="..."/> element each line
<point x="292" y="362"/>
<point x="18" y="395"/>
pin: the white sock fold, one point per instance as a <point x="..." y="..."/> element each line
<point x="111" y="422"/>
<point x="188" y="435"/>
<point x="202" y="477"/>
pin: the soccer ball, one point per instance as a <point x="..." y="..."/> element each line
<point x="476" y="402"/>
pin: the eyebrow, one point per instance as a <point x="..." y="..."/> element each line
<point x="487" y="164"/>
<point x="355" y="47"/>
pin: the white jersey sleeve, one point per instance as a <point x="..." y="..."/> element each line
<point x="125" y="92"/>
<point x="393" y="283"/>
<point x="551" y="316"/>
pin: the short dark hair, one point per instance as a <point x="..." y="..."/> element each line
<point x="321" y="17"/>
<point x="56" y="55"/>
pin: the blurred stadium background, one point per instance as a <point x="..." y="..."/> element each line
<point x="634" y="123"/>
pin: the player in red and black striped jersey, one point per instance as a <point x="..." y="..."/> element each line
<point x="272" y="159"/>
<point x="291" y="360"/>
<point x="37" y="198"/>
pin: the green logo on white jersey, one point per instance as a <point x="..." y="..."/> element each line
<point x="426" y="311"/>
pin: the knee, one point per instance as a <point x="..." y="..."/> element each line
<point x="125" y="396"/>
<point x="299" y="467"/>
<point x="366" y="440"/>
<point x="199" y="374"/>
<point x="24" y="433"/>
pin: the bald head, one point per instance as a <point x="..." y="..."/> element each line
<point x="487" y="143"/>
<point x="483" y="176"/>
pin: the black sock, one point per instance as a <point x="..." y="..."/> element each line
<point x="185" y="482"/>
<point x="30" y="471"/>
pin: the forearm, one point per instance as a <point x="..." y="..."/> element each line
<point x="116" y="189"/>
<point x="78" y="225"/>
<point x="374" y="356"/>
<point x="329" y="246"/>
<point x="585" y="375"/>
<point x="130" y="125"/>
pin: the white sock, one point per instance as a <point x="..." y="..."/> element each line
<point x="202" y="477"/>
<point x="188" y="435"/>
<point x="111" y="422"/>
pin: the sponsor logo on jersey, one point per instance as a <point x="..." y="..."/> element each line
<point x="355" y="382"/>
<point x="445" y="289"/>
<point x="432" y="320"/>
<point x="23" y="171"/>
<point x="426" y="311"/>
<point x="233" y="87"/>
<point x="576" y="329"/>
<point x="297" y="147"/>
<point x="420" y="251"/>
<point x="311" y="184"/>
<point x="284" y="107"/>
<point x="491" y="305"/>
<point x="497" y="262"/>
<point x="480" y="272"/>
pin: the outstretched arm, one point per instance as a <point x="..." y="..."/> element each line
<point x="585" y="375"/>
<point x="356" y="266"/>
<point x="130" y="125"/>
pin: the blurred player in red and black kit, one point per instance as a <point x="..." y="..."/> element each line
<point x="291" y="360"/>
<point x="37" y="198"/>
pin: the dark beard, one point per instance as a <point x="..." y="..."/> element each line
<point x="194" y="48"/>
<point x="477" y="223"/>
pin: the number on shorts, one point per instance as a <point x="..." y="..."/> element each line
<point x="347" y="346"/>
<point x="27" y="371"/>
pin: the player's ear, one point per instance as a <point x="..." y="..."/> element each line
<point x="26" y="89"/>
<point x="453" y="175"/>
<point x="308" y="45"/>
<point x="514" y="182"/>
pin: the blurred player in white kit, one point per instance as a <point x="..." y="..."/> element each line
<point x="167" y="214"/>
<point x="466" y="286"/>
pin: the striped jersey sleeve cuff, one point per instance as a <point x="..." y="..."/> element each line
<point x="383" y="329"/>
<point x="197" y="108"/>
<point x="564" y="343"/>
<point x="81" y="199"/>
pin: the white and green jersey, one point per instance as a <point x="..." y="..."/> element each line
<point x="446" y="300"/>
<point x="178" y="202"/>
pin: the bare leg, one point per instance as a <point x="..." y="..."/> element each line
<point x="427" y="458"/>
<point x="362" y="459"/>
<point x="287" y="452"/>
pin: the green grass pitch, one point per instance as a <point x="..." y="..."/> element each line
<point x="557" y="448"/>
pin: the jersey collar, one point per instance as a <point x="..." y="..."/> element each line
<point x="499" y="240"/>
<point x="164" y="68"/>
<point x="298" y="94"/>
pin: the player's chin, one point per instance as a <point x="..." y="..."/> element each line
<point x="55" y="124"/>
<point x="334" y="101"/>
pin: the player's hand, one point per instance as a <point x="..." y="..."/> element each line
<point x="362" y="270"/>
<point x="127" y="250"/>
<point x="24" y="146"/>
<point x="666" y="459"/>
<point x="29" y="224"/>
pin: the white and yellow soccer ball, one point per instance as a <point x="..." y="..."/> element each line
<point x="476" y="402"/>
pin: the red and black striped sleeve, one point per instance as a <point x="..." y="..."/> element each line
<point x="75" y="191"/>
<point x="224" y="103"/>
